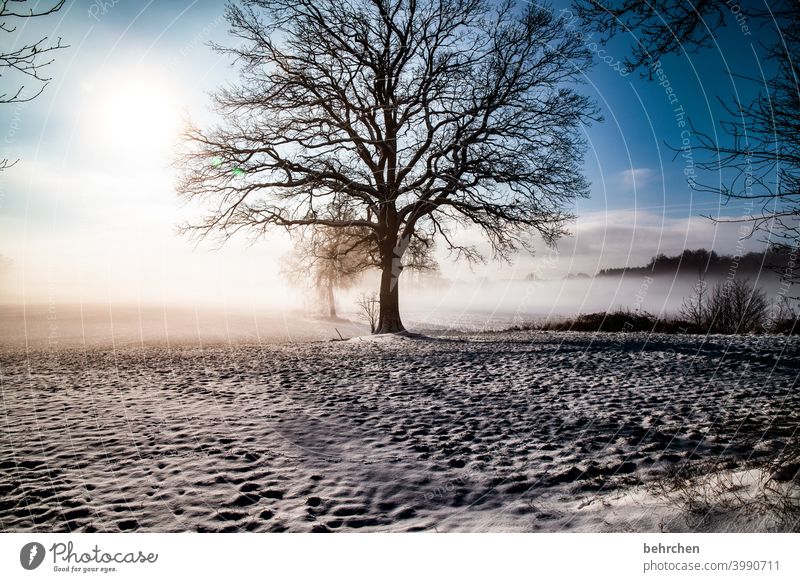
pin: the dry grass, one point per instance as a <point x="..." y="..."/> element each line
<point x="711" y="492"/>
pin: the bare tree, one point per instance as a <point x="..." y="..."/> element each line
<point x="28" y="59"/>
<point x="694" y="309"/>
<point x="418" y="115"/>
<point x="336" y="258"/>
<point x="757" y="159"/>
<point x="329" y="258"/>
<point x="370" y="309"/>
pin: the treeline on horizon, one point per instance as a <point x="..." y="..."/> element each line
<point x="702" y="263"/>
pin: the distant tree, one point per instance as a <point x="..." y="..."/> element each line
<point x="336" y="258"/>
<point x="324" y="258"/>
<point x="706" y="263"/>
<point x="571" y="276"/>
<point x="329" y="258"/>
<point x="699" y="260"/>
<point x="27" y="59"/>
<point x="420" y="115"/>
<point x="758" y="157"/>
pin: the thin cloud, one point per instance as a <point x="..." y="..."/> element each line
<point x="636" y="177"/>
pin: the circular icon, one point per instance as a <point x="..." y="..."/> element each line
<point x="31" y="555"/>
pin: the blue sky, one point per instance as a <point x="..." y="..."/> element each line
<point x="101" y="214"/>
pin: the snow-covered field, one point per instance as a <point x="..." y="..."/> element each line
<point x="484" y="432"/>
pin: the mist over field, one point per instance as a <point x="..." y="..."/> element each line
<point x="399" y="266"/>
<point x="435" y="305"/>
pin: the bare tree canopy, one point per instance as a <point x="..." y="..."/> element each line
<point x="28" y="59"/>
<point x="763" y="153"/>
<point x="664" y="27"/>
<point x="659" y="27"/>
<point x="415" y="116"/>
<point x="757" y="158"/>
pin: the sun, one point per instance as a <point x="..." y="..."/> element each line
<point x="137" y="113"/>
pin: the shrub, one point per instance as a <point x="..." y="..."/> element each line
<point x="784" y="318"/>
<point x="621" y="320"/>
<point x="730" y="306"/>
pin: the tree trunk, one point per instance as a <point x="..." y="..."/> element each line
<point x="389" y="318"/>
<point x="330" y="299"/>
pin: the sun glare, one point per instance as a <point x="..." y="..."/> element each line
<point x="133" y="114"/>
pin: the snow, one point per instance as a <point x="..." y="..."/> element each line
<point x="519" y="431"/>
<point x="397" y="339"/>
